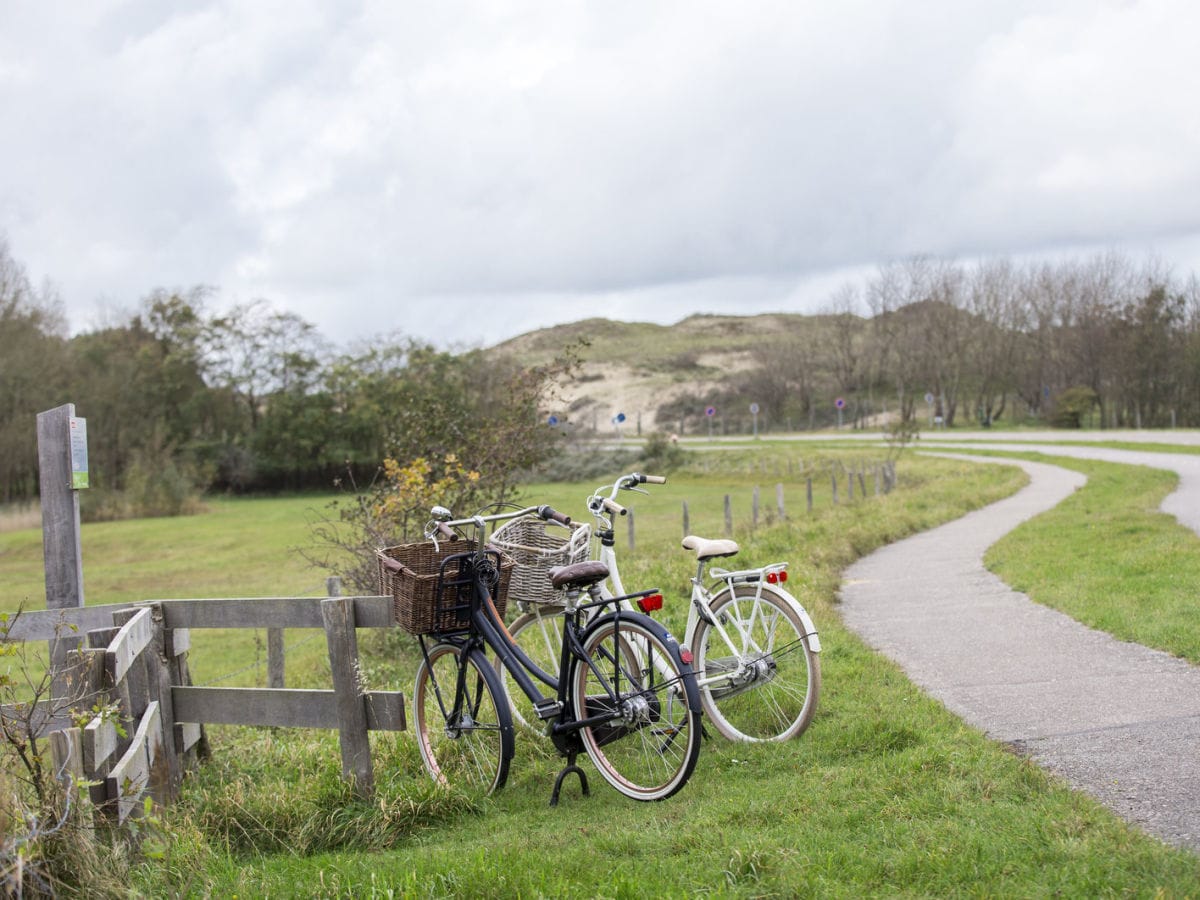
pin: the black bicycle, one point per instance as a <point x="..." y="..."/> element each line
<point x="624" y="692"/>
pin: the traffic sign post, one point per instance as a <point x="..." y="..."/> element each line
<point x="709" y="413"/>
<point x="841" y="405"/>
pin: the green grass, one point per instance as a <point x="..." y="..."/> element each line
<point x="887" y="794"/>
<point x="1108" y="557"/>
<point x="239" y="548"/>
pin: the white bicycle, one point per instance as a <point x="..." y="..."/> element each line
<point x="754" y="646"/>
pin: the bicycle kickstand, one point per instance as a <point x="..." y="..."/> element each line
<point x="567" y="770"/>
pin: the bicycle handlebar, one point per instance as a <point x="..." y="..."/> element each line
<point x="599" y="504"/>
<point x="446" y="527"/>
<point x="615" y="508"/>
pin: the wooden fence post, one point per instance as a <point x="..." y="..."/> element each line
<point x="632" y="538"/>
<point x="849" y="487"/>
<point x="862" y="484"/>
<point x="833" y="480"/>
<point x="808" y="493"/>
<point x="754" y="509"/>
<point x="338" y="616"/>
<point x="779" y="501"/>
<point x="728" y="516"/>
<point x="61" y="550"/>
<point x="686" y="528"/>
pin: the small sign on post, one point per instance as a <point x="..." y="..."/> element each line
<point x="77" y="428"/>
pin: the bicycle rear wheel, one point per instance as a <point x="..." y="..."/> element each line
<point x="762" y="683"/>
<point x="465" y="741"/>
<point x="634" y="671"/>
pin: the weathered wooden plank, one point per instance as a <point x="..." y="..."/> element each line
<point x="47" y="624"/>
<point x="66" y="752"/>
<point x="270" y="612"/>
<point x="134" y="637"/>
<point x="179" y="640"/>
<point x="130" y="777"/>
<point x="385" y="711"/>
<point x="285" y="708"/>
<point x="187" y="736"/>
<point x="354" y="739"/>
<point x="45" y="717"/>
<point x="100" y="742"/>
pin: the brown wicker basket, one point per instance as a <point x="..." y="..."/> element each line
<point x="431" y="588"/>
<point x="537" y="546"/>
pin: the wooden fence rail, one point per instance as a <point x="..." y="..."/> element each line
<point x="135" y="666"/>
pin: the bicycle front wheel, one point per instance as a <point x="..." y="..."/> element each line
<point x="634" y="678"/>
<point x="465" y="736"/>
<point x="759" y="676"/>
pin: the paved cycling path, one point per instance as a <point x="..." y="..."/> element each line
<point x="1115" y="719"/>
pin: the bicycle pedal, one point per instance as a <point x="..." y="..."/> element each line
<point x="547" y="709"/>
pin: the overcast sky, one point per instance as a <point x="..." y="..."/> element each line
<point x="467" y="171"/>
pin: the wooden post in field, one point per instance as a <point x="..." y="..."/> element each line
<point x="862" y="484"/>
<point x="754" y="509"/>
<point x="632" y="539"/>
<point x="779" y="501"/>
<point x="61" y="550"/>
<point x="808" y="492"/>
<point x="833" y="480"/>
<point x="338" y="616"/>
<point x="728" y="516"/>
<point x="849" y="487"/>
<point x="686" y="528"/>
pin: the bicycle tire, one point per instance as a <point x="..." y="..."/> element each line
<point x="650" y="751"/>
<point x="474" y="754"/>
<point x="538" y="632"/>
<point x="775" y="695"/>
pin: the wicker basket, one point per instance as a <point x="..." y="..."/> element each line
<point x="537" y="546"/>
<point x="432" y="588"/>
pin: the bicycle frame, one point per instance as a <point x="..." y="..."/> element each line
<point x="488" y="632"/>
<point x="701" y="596"/>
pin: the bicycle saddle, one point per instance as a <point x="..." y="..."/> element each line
<point x="706" y="549"/>
<point x="578" y="575"/>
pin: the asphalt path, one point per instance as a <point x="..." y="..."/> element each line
<point x="1115" y="719"/>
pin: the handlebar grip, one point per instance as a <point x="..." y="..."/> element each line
<point x="547" y="512"/>
<point x="446" y="531"/>
<point x="615" y="508"/>
<point x="652" y="479"/>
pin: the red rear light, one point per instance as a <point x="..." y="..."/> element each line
<point x="686" y="655"/>
<point x="776" y="577"/>
<point x="651" y="603"/>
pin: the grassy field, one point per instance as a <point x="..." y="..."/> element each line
<point x="887" y="794"/>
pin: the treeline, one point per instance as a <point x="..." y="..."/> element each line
<point x="179" y="400"/>
<point x="1104" y="342"/>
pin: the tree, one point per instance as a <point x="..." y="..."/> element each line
<point x="32" y="368"/>
<point x="458" y="430"/>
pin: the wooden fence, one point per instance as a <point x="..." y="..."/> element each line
<point x="882" y="480"/>
<point x="134" y="667"/>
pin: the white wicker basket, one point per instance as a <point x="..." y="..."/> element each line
<point x="538" y="546"/>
